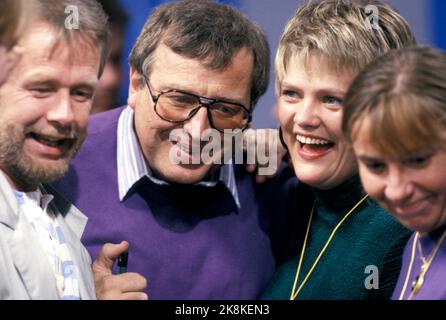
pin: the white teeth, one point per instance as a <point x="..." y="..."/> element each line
<point x="49" y="143"/>
<point x="52" y="142"/>
<point x="307" y="140"/>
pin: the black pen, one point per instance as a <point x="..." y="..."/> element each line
<point x="122" y="262"/>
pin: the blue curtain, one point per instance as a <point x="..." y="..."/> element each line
<point x="439" y="23"/>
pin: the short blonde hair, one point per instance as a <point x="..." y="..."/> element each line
<point x="403" y="94"/>
<point x="337" y="30"/>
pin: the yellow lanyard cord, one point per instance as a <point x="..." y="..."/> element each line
<point x="424" y="268"/>
<point x="295" y="293"/>
<point x="410" y="266"/>
<point x="292" y="297"/>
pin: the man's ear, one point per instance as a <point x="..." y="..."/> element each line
<point x="134" y="87"/>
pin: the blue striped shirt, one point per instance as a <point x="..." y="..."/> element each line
<point x="132" y="166"/>
<point x="36" y="209"/>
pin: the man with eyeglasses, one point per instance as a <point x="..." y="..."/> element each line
<point x="178" y="106"/>
<point x="201" y="230"/>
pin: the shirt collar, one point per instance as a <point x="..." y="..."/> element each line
<point x="40" y="199"/>
<point x="132" y="166"/>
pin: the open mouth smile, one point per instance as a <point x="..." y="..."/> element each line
<point x="51" y="145"/>
<point x="311" y="148"/>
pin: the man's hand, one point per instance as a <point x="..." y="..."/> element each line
<point x="264" y="152"/>
<point x="126" y="286"/>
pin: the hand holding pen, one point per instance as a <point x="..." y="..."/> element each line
<point x="122" y="286"/>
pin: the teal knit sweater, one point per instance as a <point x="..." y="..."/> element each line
<point x="368" y="237"/>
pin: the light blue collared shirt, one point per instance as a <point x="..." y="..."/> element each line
<point x="132" y="166"/>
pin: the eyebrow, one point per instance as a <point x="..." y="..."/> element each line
<point x="326" y="91"/>
<point x="367" y="158"/>
<point x="332" y="92"/>
<point x="230" y="100"/>
<point x="219" y="98"/>
<point x="37" y="79"/>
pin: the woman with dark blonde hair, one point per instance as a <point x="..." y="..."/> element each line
<point x="395" y="118"/>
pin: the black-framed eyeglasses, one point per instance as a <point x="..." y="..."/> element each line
<point x="177" y="106"/>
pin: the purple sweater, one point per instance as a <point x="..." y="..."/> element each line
<point x="434" y="285"/>
<point x="189" y="242"/>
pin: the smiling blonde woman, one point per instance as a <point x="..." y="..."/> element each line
<point x="346" y="246"/>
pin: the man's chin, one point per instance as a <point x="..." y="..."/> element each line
<point x="43" y="171"/>
<point x="189" y="174"/>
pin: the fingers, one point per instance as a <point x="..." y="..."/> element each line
<point x="135" y="296"/>
<point x="113" y="251"/>
<point x="264" y="152"/>
<point x="256" y="146"/>
<point x="126" y="286"/>
<point x="126" y="282"/>
<point x="131" y="281"/>
<point x="107" y="256"/>
<point x="249" y="139"/>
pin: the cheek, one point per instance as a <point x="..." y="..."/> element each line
<point x="145" y="116"/>
<point x="3" y="75"/>
<point x="25" y="115"/>
<point x="152" y="131"/>
<point x="371" y="184"/>
<point x="332" y="121"/>
<point x="285" y="115"/>
<point x="82" y="117"/>
<point x="346" y="155"/>
<point x="5" y="65"/>
<point x="433" y="179"/>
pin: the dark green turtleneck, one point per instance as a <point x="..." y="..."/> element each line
<point x="368" y="237"/>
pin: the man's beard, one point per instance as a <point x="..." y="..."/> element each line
<point x="23" y="169"/>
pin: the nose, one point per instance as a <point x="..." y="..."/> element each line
<point x="60" y="110"/>
<point x="398" y="188"/>
<point x="307" y="114"/>
<point x="198" y="124"/>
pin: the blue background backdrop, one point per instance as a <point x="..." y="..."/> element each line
<point x="425" y="16"/>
